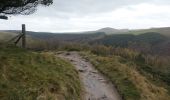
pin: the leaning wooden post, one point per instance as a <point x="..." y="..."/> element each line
<point x="23" y="37"/>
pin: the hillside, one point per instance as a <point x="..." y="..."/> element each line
<point x="136" y="62"/>
<point x="26" y="75"/>
<point x="124" y="39"/>
<point x="6" y="36"/>
<point x="67" y="37"/>
<point x="155" y="40"/>
<point x="109" y="30"/>
<point x="135" y="79"/>
<point x="73" y="37"/>
<point x="164" y="31"/>
<point x="149" y="42"/>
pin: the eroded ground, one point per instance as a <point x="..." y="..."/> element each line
<point x="96" y="86"/>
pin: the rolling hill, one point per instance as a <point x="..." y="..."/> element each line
<point x="154" y="40"/>
<point x="109" y="30"/>
<point x="150" y="42"/>
<point x="164" y="31"/>
<point x="61" y="36"/>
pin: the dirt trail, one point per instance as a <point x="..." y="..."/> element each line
<point x="96" y="86"/>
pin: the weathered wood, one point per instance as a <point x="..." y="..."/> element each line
<point x="23" y="37"/>
<point x="20" y="36"/>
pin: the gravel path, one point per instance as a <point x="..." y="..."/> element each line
<point x="96" y="86"/>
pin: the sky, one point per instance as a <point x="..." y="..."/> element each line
<point x="87" y="15"/>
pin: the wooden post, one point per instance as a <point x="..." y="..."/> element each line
<point x="23" y="37"/>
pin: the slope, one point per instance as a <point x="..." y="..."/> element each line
<point x="26" y="75"/>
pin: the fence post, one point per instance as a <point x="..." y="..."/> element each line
<point x="23" y="37"/>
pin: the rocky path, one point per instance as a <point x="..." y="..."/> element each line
<point x="96" y="86"/>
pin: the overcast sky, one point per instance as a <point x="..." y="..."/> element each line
<point x="86" y="15"/>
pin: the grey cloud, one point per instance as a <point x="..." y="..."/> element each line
<point x="73" y="8"/>
<point x="87" y="6"/>
<point x="91" y="6"/>
<point x="59" y="16"/>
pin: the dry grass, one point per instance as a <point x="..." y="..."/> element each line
<point x="6" y="36"/>
<point x="26" y="75"/>
<point x="132" y="84"/>
<point x="148" y="90"/>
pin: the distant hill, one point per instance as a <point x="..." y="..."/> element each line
<point x="67" y="36"/>
<point x="164" y="31"/>
<point x="125" y="39"/>
<point x="154" y="40"/>
<point x="6" y="36"/>
<point x="150" y="42"/>
<point x="73" y="37"/>
<point x="109" y="30"/>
